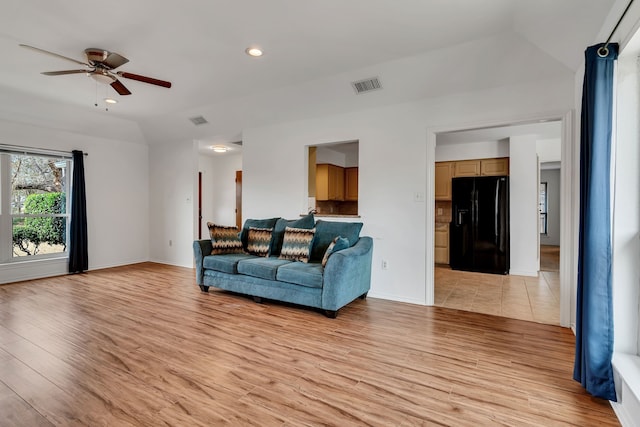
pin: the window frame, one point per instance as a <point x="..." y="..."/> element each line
<point x="7" y="216"/>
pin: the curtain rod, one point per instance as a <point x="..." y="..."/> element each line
<point x="604" y="51"/>
<point x="16" y="149"/>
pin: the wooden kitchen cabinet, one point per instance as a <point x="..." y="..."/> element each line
<point x="481" y="167"/>
<point x="351" y="184"/>
<point x="441" y="239"/>
<point x="329" y="182"/>
<point x="466" y="168"/>
<point x="494" y="167"/>
<point x="443" y="174"/>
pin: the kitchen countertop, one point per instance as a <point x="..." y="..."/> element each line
<point x="323" y="215"/>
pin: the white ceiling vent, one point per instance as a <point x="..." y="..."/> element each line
<point x="198" y="120"/>
<point x="366" y="85"/>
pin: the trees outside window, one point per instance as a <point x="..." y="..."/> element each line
<point x="35" y="190"/>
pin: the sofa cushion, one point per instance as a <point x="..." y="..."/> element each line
<point x="264" y="268"/>
<point x="296" y="245"/>
<point x="326" y="231"/>
<point x="259" y="241"/>
<point x="258" y="223"/>
<point x="304" y="274"/>
<point x="338" y="244"/>
<point x="224" y="239"/>
<point x="306" y="221"/>
<point x="227" y="263"/>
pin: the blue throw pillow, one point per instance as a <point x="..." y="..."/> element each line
<point x="338" y="244"/>
<point x="326" y="231"/>
<point x="307" y="222"/>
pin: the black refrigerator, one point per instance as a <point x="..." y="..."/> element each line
<point x="479" y="231"/>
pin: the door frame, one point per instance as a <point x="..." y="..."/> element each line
<point x="569" y="204"/>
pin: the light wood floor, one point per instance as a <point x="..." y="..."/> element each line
<point x="142" y="346"/>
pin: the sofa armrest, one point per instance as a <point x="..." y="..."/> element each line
<point x="347" y="274"/>
<point x="201" y="248"/>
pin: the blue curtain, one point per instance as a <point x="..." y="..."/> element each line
<point x="78" y="253"/>
<point x="594" y="317"/>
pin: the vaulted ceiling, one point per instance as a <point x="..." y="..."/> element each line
<point x="312" y="51"/>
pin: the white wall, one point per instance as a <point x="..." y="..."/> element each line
<point x="552" y="178"/>
<point x="549" y="150"/>
<point x="327" y="155"/>
<point x="173" y="202"/>
<point x="472" y="150"/>
<point x="523" y="202"/>
<point x="117" y="183"/>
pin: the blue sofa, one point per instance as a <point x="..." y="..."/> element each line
<point x="345" y="276"/>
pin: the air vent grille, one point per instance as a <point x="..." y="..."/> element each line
<point x="366" y="85"/>
<point x="199" y="120"/>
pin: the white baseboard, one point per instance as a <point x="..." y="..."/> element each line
<point x="373" y="294"/>
<point x="33" y="269"/>
<point x="523" y="273"/>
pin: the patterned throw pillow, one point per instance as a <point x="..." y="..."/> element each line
<point x="259" y="241"/>
<point x="296" y="244"/>
<point x="338" y="244"/>
<point x="224" y="239"/>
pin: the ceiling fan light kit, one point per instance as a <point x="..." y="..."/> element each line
<point x="100" y="66"/>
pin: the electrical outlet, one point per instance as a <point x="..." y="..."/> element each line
<point x="418" y="196"/>
<point x="385" y="264"/>
<point x="439" y="211"/>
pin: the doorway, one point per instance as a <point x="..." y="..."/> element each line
<point x="524" y="297"/>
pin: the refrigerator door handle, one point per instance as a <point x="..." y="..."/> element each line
<point x="475" y="207"/>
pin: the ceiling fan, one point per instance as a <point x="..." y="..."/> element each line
<point x="101" y="65"/>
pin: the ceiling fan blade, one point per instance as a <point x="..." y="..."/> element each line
<point x="37" y="49"/>
<point x="120" y="88"/>
<point x="115" y="60"/>
<point x="144" y="79"/>
<point x="61" y="73"/>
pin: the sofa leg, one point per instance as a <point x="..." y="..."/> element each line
<point x="204" y="288"/>
<point x="364" y="296"/>
<point x="331" y="314"/>
<point x="258" y="299"/>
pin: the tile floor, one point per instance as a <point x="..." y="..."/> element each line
<point x="527" y="298"/>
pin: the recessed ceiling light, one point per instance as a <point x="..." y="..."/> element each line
<point x="253" y="51"/>
<point x="110" y="101"/>
<point x="219" y="148"/>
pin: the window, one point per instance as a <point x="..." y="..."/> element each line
<point x="543" y="208"/>
<point x="34" y="210"/>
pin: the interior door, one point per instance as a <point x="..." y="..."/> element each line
<point x="239" y="199"/>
